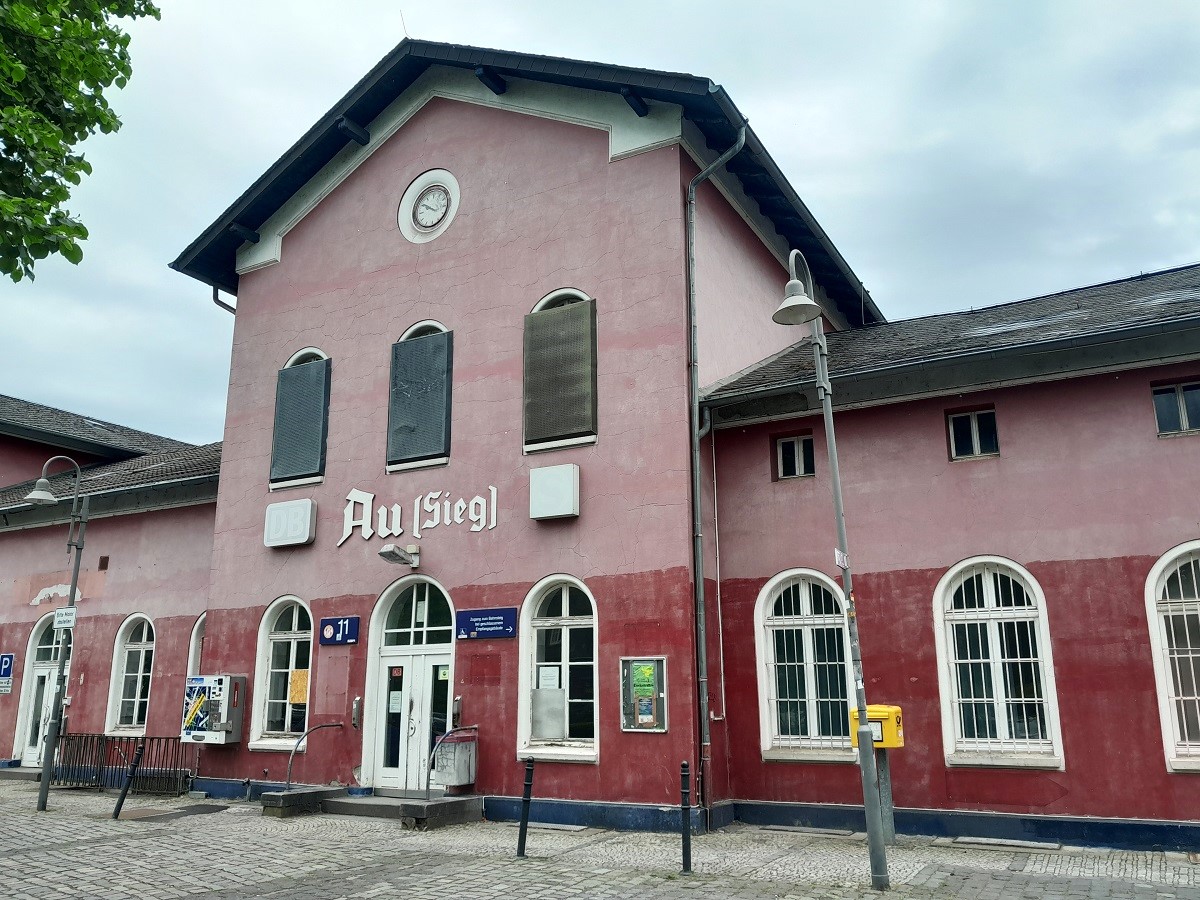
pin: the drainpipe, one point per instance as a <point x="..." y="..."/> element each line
<point x="221" y="303"/>
<point x="697" y="430"/>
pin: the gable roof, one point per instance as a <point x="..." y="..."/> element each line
<point x="211" y="257"/>
<point x="1148" y="304"/>
<point x="179" y="476"/>
<point x="71" y="431"/>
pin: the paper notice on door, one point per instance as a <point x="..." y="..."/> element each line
<point x="548" y="678"/>
<point x="396" y="701"/>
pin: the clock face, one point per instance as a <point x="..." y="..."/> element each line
<point x="431" y="206"/>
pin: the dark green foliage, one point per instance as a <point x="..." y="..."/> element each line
<point x="56" y="59"/>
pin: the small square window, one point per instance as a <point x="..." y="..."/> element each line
<point x="1177" y="408"/>
<point x="794" y="457"/>
<point x="973" y="434"/>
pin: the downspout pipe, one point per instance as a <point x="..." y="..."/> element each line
<point x="221" y="303"/>
<point x="697" y="430"/>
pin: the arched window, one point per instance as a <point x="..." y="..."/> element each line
<point x="196" y="646"/>
<point x="560" y="371"/>
<point x="301" y="419"/>
<point x="282" y="683"/>
<point x="558" y="675"/>
<point x="133" y="665"/>
<point x="804" y="667"/>
<point x="419" y="616"/>
<point x="50" y="643"/>
<point x="1173" y="611"/>
<point x="419" y="402"/>
<point x="995" y="667"/>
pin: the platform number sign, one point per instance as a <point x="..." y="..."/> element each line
<point x="339" y="630"/>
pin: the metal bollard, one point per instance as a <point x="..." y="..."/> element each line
<point x="133" y="767"/>
<point x="525" y="798"/>
<point x="685" y="824"/>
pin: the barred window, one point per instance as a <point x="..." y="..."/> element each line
<point x="996" y="670"/>
<point x="804" y="664"/>
<point x="1174" y="612"/>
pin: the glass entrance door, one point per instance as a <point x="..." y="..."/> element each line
<point x="415" y="707"/>
<point x="41" y="701"/>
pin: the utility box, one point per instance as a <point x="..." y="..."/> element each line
<point x="454" y="764"/>
<point x="212" y="709"/>
<point x="887" y="728"/>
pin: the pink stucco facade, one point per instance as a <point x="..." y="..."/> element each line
<point x="1085" y="495"/>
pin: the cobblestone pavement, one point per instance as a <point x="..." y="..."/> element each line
<point x="77" y="850"/>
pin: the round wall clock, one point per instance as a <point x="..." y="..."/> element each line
<point x="428" y="206"/>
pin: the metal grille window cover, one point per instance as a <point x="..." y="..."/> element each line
<point x="289" y="649"/>
<point x="560" y="373"/>
<point x="419" y="616"/>
<point x="808" y="675"/>
<point x="301" y="420"/>
<point x="565" y="661"/>
<point x="420" y="402"/>
<point x="101" y="761"/>
<point x="1179" y="620"/>
<point x="997" y="662"/>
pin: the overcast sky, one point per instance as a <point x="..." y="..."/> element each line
<point x="958" y="154"/>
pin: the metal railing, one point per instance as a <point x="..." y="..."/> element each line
<point x="100" y="761"/>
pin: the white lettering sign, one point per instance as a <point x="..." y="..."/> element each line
<point x="289" y="523"/>
<point x="437" y="508"/>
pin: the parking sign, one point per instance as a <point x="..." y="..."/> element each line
<point x="6" y="665"/>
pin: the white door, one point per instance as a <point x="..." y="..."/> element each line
<point x="37" y="696"/>
<point x="414" y="710"/>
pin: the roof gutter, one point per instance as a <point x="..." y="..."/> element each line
<point x="697" y="430"/>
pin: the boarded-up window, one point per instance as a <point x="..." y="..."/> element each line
<point x="301" y="421"/>
<point x="419" y="410"/>
<point x="560" y="373"/>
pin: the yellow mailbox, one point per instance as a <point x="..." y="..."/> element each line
<point x="887" y="728"/>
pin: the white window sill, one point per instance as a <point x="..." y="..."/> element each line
<point x="419" y="464"/>
<point x="558" y="445"/>
<point x="974" y="456"/>
<point x="1183" y="764"/>
<point x="126" y="731"/>
<point x="1003" y="760"/>
<point x="277" y="744"/>
<point x="810" y="755"/>
<point x="1187" y="432"/>
<point x="578" y="753"/>
<point x="295" y="482"/>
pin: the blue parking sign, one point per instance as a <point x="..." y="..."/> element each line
<point x="6" y="665"/>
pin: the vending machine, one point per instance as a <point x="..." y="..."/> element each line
<point x="212" y="709"/>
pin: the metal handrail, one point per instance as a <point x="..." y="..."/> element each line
<point x="438" y="743"/>
<point x="291" y="756"/>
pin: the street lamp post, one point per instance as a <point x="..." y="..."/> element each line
<point x="797" y="308"/>
<point x="42" y="496"/>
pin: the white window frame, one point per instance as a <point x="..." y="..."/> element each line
<point x="560" y="297"/>
<point x="1178" y="758"/>
<point x="973" y="416"/>
<point x="789" y="748"/>
<point x="1006" y="752"/>
<point x="1187" y="426"/>
<point x="260" y="739"/>
<point x="196" y="645"/>
<point x="118" y="672"/>
<point x="798" y="440"/>
<point x="558" y="751"/>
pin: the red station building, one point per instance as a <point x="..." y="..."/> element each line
<point x="507" y="319"/>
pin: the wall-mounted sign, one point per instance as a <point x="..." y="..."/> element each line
<point x="339" y="630"/>
<point x="485" y="624"/>
<point x="428" y="511"/>
<point x="644" y="694"/>
<point x="7" y="660"/>
<point x="64" y="617"/>
<point x="290" y="523"/>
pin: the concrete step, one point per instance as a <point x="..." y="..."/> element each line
<point x="22" y="774"/>
<point x="412" y="813"/>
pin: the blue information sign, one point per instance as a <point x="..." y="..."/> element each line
<point x="339" y="630"/>
<point x="6" y="665"/>
<point x="485" y="624"/>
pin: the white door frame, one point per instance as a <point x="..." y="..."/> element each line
<point x="28" y="680"/>
<point x="374" y="700"/>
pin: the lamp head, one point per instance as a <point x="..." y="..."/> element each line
<point x="41" y="495"/>
<point x="797" y="307"/>
<point x="402" y="556"/>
